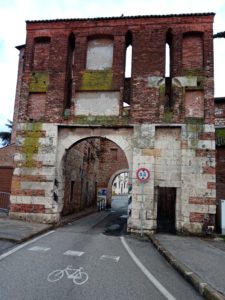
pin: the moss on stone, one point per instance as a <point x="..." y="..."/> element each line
<point x="31" y="143"/>
<point x="167" y="116"/>
<point x="101" y="120"/>
<point x="220" y="136"/>
<point x="97" y="80"/>
<point x="162" y="89"/>
<point x="220" y="133"/>
<point x="192" y="120"/>
<point x="38" y="82"/>
<point x="193" y="72"/>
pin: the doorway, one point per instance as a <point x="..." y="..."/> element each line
<point x="166" y="212"/>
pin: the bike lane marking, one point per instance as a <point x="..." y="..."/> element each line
<point x="73" y="253"/>
<point x="78" y="276"/>
<point x="109" y="257"/>
<point x="147" y="273"/>
<point x="4" y="255"/>
<point x="39" y="249"/>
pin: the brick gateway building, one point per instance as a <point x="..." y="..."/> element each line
<point x="72" y="89"/>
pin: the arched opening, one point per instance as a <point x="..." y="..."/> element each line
<point x="128" y="70"/>
<point x="119" y="189"/>
<point x="69" y="74"/>
<point x="120" y="184"/>
<point x="88" y="166"/>
<point x="168" y="70"/>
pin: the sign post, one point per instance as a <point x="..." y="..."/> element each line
<point x="143" y="175"/>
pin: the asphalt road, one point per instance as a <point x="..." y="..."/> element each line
<point x="115" y="265"/>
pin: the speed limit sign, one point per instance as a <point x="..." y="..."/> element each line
<point x="143" y="175"/>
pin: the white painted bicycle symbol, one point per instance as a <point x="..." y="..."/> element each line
<point x="79" y="277"/>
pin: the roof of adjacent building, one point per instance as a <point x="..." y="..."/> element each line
<point x="123" y="17"/>
<point x="219" y="99"/>
<point x="219" y="35"/>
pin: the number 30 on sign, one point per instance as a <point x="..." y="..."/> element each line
<point x="143" y="175"/>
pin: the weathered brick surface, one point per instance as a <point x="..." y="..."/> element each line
<point x="48" y="52"/>
<point x="209" y="170"/>
<point x="211" y="185"/>
<point x="27" y="208"/>
<point x="205" y="153"/>
<point x="28" y="192"/>
<point x="220" y="176"/>
<point x="201" y="200"/>
<point x="196" y="217"/>
<point x="6" y="174"/>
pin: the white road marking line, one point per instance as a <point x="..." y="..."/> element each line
<point x="153" y="280"/>
<point x="39" y="249"/>
<point x="4" y="255"/>
<point x="107" y="257"/>
<point x="73" y="253"/>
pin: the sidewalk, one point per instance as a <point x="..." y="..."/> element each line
<point x="200" y="261"/>
<point x="18" y="231"/>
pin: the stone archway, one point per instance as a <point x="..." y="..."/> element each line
<point x="68" y="137"/>
<point x="109" y="195"/>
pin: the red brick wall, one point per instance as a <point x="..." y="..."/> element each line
<point x="5" y="179"/>
<point x="220" y="172"/>
<point x="89" y="165"/>
<point x="81" y="171"/>
<point x="112" y="159"/>
<point x="192" y="51"/>
<point x="148" y="44"/>
<point x="220" y="112"/>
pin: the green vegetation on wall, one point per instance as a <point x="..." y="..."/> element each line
<point x="38" y="82"/>
<point x="167" y="116"/>
<point x="194" y="128"/>
<point x="100" y="80"/>
<point x="193" y="120"/>
<point x="31" y="143"/>
<point x="193" y="72"/>
<point x="102" y="120"/>
<point x="220" y="136"/>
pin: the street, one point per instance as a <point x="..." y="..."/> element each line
<point x="114" y="265"/>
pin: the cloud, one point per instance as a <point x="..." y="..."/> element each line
<point x="14" y="13"/>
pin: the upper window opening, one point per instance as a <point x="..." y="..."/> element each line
<point x="168" y="67"/>
<point x="99" y="54"/>
<point x="128" y="63"/>
<point x="167" y="63"/>
<point x="128" y="68"/>
<point x="168" y="50"/>
<point x="128" y="71"/>
<point x="69" y="75"/>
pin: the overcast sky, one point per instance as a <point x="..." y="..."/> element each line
<point x="14" y="13"/>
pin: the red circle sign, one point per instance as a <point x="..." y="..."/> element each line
<point x="143" y="175"/>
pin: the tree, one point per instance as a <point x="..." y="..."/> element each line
<point x="5" y="136"/>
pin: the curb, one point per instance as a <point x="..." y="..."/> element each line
<point x="28" y="237"/>
<point x="48" y="227"/>
<point x="75" y="217"/>
<point x="205" y="289"/>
